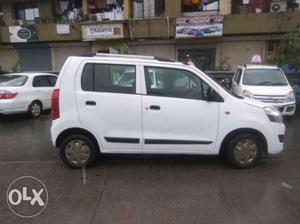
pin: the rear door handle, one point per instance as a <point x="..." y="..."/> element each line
<point x="154" y="107"/>
<point x="90" y="103"/>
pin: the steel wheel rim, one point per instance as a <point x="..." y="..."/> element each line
<point x="35" y="109"/>
<point x="245" y="151"/>
<point x="77" y="152"/>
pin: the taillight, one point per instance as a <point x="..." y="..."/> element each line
<point x="7" y="95"/>
<point x="55" y="104"/>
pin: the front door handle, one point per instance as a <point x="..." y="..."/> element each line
<point x="90" y="103"/>
<point x="154" y="107"/>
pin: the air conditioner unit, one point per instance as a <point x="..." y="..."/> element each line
<point x="278" y="6"/>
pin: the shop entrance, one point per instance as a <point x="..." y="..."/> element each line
<point x="34" y="57"/>
<point x="203" y="58"/>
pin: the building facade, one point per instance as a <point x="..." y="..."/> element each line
<point x="217" y="34"/>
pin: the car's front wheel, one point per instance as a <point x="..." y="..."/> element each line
<point x="78" y="151"/>
<point x="244" y="150"/>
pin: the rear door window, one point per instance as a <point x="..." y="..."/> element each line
<point x="109" y="78"/>
<point x="177" y="83"/>
<point x="40" y="81"/>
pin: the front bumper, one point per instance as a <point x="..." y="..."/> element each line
<point x="275" y="137"/>
<point x="286" y="109"/>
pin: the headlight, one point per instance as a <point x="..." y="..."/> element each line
<point x="290" y="97"/>
<point x="248" y="94"/>
<point x="273" y="114"/>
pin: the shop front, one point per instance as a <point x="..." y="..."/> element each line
<point x="34" y="57"/>
<point x="158" y="48"/>
<point x="197" y="37"/>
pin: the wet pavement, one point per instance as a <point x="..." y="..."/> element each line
<point x="149" y="189"/>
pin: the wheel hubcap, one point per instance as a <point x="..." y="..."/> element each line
<point x="245" y="151"/>
<point x="77" y="152"/>
<point x="36" y="110"/>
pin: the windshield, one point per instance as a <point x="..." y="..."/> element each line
<point x="12" y="80"/>
<point x="264" y="77"/>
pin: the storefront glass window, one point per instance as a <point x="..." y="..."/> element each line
<point x="147" y="8"/>
<point x="199" y="5"/>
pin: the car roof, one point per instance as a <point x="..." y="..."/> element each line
<point x="250" y="66"/>
<point x="131" y="58"/>
<point x="31" y="74"/>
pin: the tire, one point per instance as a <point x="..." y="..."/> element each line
<point x="35" y="109"/>
<point x="244" y="150"/>
<point x="78" y="151"/>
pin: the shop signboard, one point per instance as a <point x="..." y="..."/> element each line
<point x="24" y="33"/>
<point x="199" y="26"/>
<point x="102" y="31"/>
<point x="62" y="29"/>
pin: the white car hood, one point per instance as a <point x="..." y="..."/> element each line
<point x="269" y="90"/>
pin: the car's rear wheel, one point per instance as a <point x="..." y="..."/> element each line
<point x="78" y="151"/>
<point x="35" y="109"/>
<point x="244" y="150"/>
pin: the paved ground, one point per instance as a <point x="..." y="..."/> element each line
<point x="149" y="189"/>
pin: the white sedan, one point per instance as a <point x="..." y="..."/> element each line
<point x="26" y="92"/>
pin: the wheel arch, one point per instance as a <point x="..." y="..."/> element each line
<point x="239" y="131"/>
<point x="38" y="101"/>
<point x="71" y="131"/>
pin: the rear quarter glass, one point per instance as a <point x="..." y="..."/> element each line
<point x="13" y="80"/>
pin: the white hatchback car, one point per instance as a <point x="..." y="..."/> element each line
<point x="267" y="84"/>
<point x="26" y="92"/>
<point x="185" y="113"/>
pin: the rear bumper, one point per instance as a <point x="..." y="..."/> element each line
<point x="11" y="107"/>
<point x="56" y="129"/>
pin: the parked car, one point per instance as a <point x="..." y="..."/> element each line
<point x="297" y="94"/>
<point x="294" y="81"/>
<point x="267" y="84"/>
<point x="185" y="113"/>
<point x="26" y="92"/>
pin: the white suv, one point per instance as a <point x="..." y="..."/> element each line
<point x="185" y="113"/>
<point x="267" y="84"/>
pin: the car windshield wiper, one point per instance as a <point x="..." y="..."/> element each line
<point x="264" y="83"/>
<point x="278" y="84"/>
